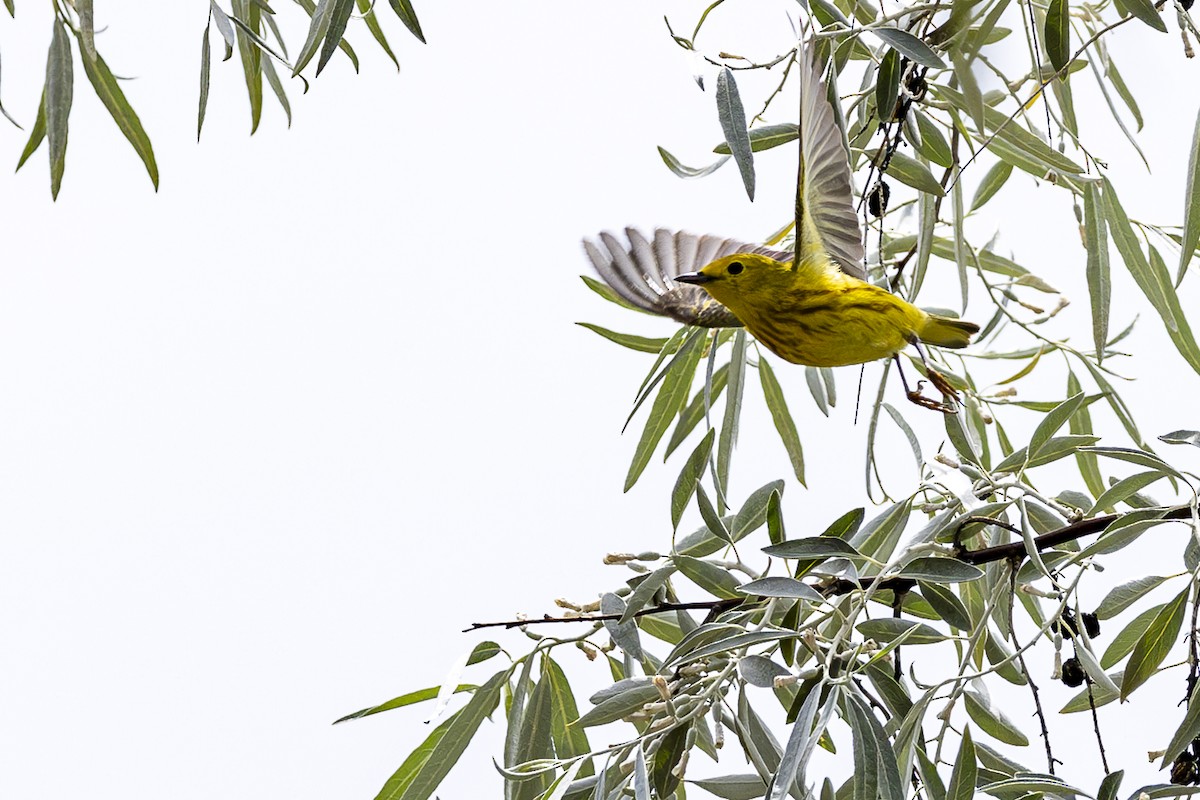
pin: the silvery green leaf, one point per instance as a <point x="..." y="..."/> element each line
<point x="733" y="124"/>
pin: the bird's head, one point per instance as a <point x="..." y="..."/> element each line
<point x="734" y="279"/>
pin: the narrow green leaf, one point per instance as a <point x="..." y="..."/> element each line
<point x="419" y="696"/>
<point x="1056" y="448"/>
<point x="911" y="172"/>
<point x="662" y="764"/>
<point x="1154" y="645"/>
<point x="890" y="784"/>
<point x="205" y="69"/>
<point x="1139" y="457"/>
<point x="947" y="604"/>
<point x="684" y="171"/>
<point x="624" y="635"/>
<point x="1095" y="695"/>
<point x="318" y="27"/>
<point x="992" y="722"/>
<point x="765" y="137"/>
<point x="224" y="27"/>
<point x="963" y="778"/>
<point x="712" y="519"/>
<point x="971" y="99"/>
<point x="36" y="134"/>
<point x="1098" y="273"/>
<point x="715" y="580"/>
<point x="87" y="27"/>
<point x="1121" y="491"/>
<point x="907" y="430"/>
<point x="604" y="290"/>
<point x="813" y="547"/>
<point x="534" y="740"/>
<point x="1181" y="437"/>
<point x="1110" y="785"/>
<point x="1125" y="595"/>
<point x="779" y="586"/>
<point x="1147" y="13"/>
<point x="910" y="46"/>
<point x="1152" y="278"/>
<point x="993" y="180"/>
<point x="1191" y="207"/>
<point x="887" y="85"/>
<point x="887" y="629"/>
<point x="1023" y="786"/>
<point x="109" y="92"/>
<point x="785" y="426"/>
<point x="610" y="708"/>
<point x="753" y="513"/>
<point x="933" y="144"/>
<point x="404" y="10"/>
<point x="339" y="16"/>
<point x="424" y="769"/>
<point x="671" y="397"/>
<point x="640" y="343"/>
<point x="276" y="85"/>
<point x="775" y="529"/>
<point x="367" y="9"/>
<point x="689" y="477"/>
<point x="251" y="58"/>
<point x="940" y="570"/>
<point x="733" y="787"/>
<point x="60" y="81"/>
<point x="1058" y="33"/>
<point x="733" y="124"/>
<point x="1015" y="136"/>
<point x="1128" y="637"/>
<point x="644" y="592"/>
<point x="1052" y="422"/>
<point x="691" y="416"/>
<point x="733" y="412"/>
<point x="812" y="376"/>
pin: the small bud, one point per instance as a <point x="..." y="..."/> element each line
<point x="946" y="461"/>
<point x="660" y="683"/>
<point x="562" y="602"/>
<point x="588" y="650"/>
<point x="1007" y="391"/>
<point x="648" y="556"/>
<point x="781" y="681"/>
<point x="619" y="558"/>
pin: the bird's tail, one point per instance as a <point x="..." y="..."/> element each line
<point x="947" y="331"/>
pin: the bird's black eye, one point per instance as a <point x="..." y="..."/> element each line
<point x="735" y="268"/>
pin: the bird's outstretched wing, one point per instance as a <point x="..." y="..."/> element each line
<point x="825" y="217"/>
<point x="642" y="272"/>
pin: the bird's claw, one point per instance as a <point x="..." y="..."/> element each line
<point x="945" y="406"/>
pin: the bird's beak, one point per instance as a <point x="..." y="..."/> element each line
<point x="693" y="277"/>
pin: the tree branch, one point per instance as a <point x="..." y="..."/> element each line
<point x="841" y="586"/>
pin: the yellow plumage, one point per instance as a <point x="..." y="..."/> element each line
<point x="817" y="315"/>
<point x="811" y="307"/>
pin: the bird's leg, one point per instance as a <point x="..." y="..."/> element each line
<point x="936" y="378"/>
<point x="916" y="396"/>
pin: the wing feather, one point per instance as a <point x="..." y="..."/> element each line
<point x="825" y="216"/>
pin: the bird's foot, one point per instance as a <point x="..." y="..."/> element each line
<point x="945" y="406"/>
<point x="942" y="385"/>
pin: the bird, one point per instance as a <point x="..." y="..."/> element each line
<point x="811" y="306"/>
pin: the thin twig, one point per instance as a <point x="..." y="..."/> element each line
<point x="1033" y="687"/>
<point x="843" y="586"/>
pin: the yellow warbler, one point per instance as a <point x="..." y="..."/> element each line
<point x="810" y="307"/>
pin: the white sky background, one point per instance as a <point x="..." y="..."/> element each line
<point x="273" y="435"/>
